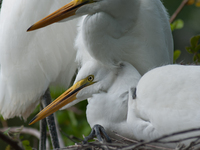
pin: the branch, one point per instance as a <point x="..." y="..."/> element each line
<point x="11" y="142"/>
<point x="25" y="130"/>
<point x="137" y="142"/>
<point x="158" y="140"/>
<point x="30" y="131"/>
<point x="184" y="2"/>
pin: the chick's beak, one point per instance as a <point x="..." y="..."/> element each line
<point x="64" y="99"/>
<point x="62" y="13"/>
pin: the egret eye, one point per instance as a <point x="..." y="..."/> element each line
<point x="90" y="78"/>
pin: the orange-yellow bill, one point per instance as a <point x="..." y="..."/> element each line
<point x="64" y="99"/>
<point x="62" y="13"/>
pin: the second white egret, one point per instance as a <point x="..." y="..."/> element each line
<point x="166" y="100"/>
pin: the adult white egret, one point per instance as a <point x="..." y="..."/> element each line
<point x="27" y="59"/>
<point x="30" y="62"/>
<point x="136" y="31"/>
<point x="166" y="100"/>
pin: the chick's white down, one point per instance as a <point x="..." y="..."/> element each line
<point x="167" y="101"/>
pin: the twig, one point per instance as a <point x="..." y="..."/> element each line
<point x="196" y="142"/>
<point x="11" y="142"/>
<point x="30" y="131"/>
<point x="124" y="138"/>
<point x="158" y="140"/>
<point x="184" y="2"/>
<point x="70" y="138"/>
<point x="158" y="147"/>
<point x="25" y="130"/>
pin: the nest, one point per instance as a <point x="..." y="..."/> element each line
<point x="124" y="143"/>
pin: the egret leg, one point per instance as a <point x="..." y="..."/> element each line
<point x="99" y="132"/>
<point x="43" y="132"/>
<point x="46" y="100"/>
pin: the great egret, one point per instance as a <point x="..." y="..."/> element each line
<point x="30" y="62"/>
<point x="136" y="31"/>
<point x="166" y="100"/>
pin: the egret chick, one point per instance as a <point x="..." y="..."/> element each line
<point x="166" y="100"/>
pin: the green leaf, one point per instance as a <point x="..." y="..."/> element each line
<point x="195" y="58"/>
<point x="197" y="48"/>
<point x="1" y="117"/>
<point x="189" y="50"/>
<point x="177" y="24"/>
<point x="194" y="41"/>
<point x="26" y="145"/>
<point x="8" y="147"/>
<point x="198" y="57"/>
<point x="177" y="54"/>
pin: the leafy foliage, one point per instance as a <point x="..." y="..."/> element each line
<point x="177" y="54"/>
<point x="26" y="145"/>
<point x="177" y="24"/>
<point x="194" y="48"/>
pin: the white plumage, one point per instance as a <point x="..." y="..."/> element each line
<point x="136" y="31"/>
<point x="112" y="31"/>
<point x="114" y="48"/>
<point x="30" y="62"/>
<point x="117" y="42"/>
<point x="167" y="100"/>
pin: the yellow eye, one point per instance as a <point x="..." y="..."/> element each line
<point x="90" y="78"/>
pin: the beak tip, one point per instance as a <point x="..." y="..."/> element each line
<point x="32" y="120"/>
<point x="29" y="29"/>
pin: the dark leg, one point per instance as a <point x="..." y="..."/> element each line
<point x="43" y="132"/>
<point x="99" y="132"/>
<point x="46" y="100"/>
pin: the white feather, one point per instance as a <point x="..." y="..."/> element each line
<point x="136" y="31"/>
<point x="31" y="61"/>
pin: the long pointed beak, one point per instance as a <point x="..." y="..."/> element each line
<point x="62" y="13"/>
<point x="64" y="99"/>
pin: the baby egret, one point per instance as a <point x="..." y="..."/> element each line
<point x="166" y="100"/>
<point x="30" y="62"/>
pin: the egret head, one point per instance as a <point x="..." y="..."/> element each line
<point x="77" y="8"/>
<point x="92" y="78"/>
<point x="72" y="10"/>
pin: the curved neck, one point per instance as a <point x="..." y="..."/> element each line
<point x="125" y="31"/>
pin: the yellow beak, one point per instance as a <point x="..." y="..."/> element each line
<point x="62" y="13"/>
<point x="64" y="99"/>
